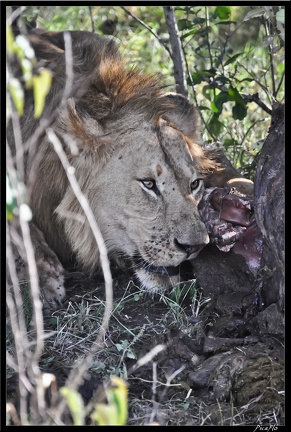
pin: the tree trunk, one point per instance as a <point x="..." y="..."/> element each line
<point x="177" y="53"/>
<point x="270" y="210"/>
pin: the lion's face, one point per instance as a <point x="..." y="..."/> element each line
<point x="145" y="201"/>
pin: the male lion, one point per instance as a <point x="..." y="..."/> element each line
<point x="139" y="162"/>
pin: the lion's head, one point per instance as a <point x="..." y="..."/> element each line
<point x="139" y="162"/>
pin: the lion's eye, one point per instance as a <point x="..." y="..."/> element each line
<point x="149" y="184"/>
<point x="195" y="184"/>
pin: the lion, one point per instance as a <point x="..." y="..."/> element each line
<point x="137" y="156"/>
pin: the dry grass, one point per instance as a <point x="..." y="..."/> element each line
<point x="154" y="397"/>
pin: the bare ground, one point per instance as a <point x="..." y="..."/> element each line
<point x="218" y="365"/>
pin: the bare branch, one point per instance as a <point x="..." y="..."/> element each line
<point x="195" y="98"/>
<point x="255" y="98"/>
<point x="76" y="376"/>
<point x="177" y="52"/>
<point x="279" y="85"/>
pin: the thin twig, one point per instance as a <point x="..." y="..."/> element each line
<point x="148" y="28"/>
<point x="32" y="357"/>
<point x="196" y="100"/>
<point x="255" y="98"/>
<point x="207" y="36"/>
<point x="77" y="373"/>
<point x="154" y="393"/>
<point x="279" y="85"/>
<point x="270" y="46"/>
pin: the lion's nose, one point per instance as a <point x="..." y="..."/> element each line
<point x="188" y="248"/>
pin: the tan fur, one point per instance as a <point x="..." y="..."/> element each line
<point x="127" y="131"/>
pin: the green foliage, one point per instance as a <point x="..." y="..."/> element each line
<point x="115" y="412"/>
<point x="41" y="87"/>
<point x="222" y="12"/>
<point x="231" y="52"/>
<point x="112" y="413"/>
<point x="124" y="347"/>
<point x="182" y="290"/>
<point x="238" y="53"/>
<point x="40" y="82"/>
<point x="75" y="404"/>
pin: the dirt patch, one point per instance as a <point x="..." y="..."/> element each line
<point x="203" y="375"/>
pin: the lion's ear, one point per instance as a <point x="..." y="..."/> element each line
<point x="184" y="116"/>
<point x="86" y="131"/>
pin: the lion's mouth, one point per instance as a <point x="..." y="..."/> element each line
<point x="141" y="263"/>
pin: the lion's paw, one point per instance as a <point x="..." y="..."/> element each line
<point x="51" y="282"/>
<point x="53" y="293"/>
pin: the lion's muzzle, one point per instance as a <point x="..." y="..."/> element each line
<point x="188" y="248"/>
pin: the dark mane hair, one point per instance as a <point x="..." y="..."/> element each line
<point x="103" y="85"/>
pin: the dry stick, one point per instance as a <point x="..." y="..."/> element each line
<point x="177" y="52"/>
<point x="76" y="375"/>
<point x="34" y="288"/>
<point x="154" y="390"/>
<point x="45" y="122"/>
<point x="37" y="311"/>
<point x="33" y="358"/>
<point x="169" y="379"/>
<point x="148" y="28"/>
<point x="17" y="334"/>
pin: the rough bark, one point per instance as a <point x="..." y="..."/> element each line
<point x="177" y="53"/>
<point x="270" y="210"/>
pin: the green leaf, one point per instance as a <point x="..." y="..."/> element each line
<point x="206" y="91"/>
<point x="198" y="20"/>
<point x="41" y="87"/>
<point x="184" y="24"/>
<point x="115" y="413"/>
<point x="225" y="22"/>
<point x="239" y="112"/>
<point x="219" y="100"/>
<point x="198" y="77"/>
<point x="244" y="79"/>
<point x="221" y="79"/>
<point x="119" y="347"/>
<point x="230" y="142"/>
<point x="131" y="354"/>
<point x="223" y="12"/>
<point x="214" y="108"/>
<point x="17" y="94"/>
<point x="254" y="14"/>
<point x="232" y="59"/>
<point x="75" y="404"/>
<point x="9" y="40"/>
<point x="191" y="32"/>
<point x="215" y="125"/>
<point x="203" y="107"/>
